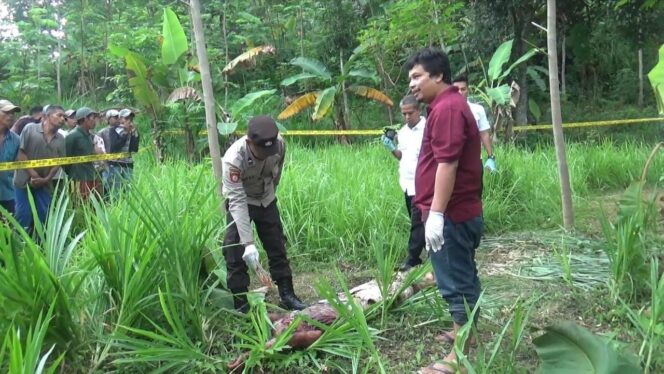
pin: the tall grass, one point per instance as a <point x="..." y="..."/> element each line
<point x="342" y="202"/>
<point x="123" y="278"/>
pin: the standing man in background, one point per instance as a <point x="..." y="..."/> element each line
<point x="121" y="138"/>
<point x="252" y="170"/>
<point x="34" y="117"/>
<point x="407" y="151"/>
<point x="9" y="144"/>
<point x="79" y="142"/>
<point x="448" y="182"/>
<point x="38" y="141"/>
<point x="482" y="123"/>
<point x="70" y="123"/>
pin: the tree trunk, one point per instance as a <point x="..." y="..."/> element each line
<point x="556" y="118"/>
<point x="640" y="77"/>
<point x="225" y="32"/>
<point x="520" y="115"/>
<point x="344" y="94"/>
<point x="436" y="21"/>
<point x="57" y="71"/>
<point x="563" y="85"/>
<point x="208" y="97"/>
<point x="300" y="13"/>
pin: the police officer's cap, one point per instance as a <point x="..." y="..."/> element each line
<point x="263" y="132"/>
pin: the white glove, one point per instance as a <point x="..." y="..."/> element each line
<point x="251" y="255"/>
<point x="433" y="231"/>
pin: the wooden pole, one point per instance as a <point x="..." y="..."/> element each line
<point x="208" y="98"/>
<point x="556" y="118"/>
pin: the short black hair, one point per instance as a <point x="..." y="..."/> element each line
<point x="434" y="61"/>
<point x="461" y="78"/>
<point x="36" y="110"/>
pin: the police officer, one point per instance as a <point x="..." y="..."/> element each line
<point x="252" y="170"/>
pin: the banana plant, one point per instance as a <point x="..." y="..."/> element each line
<point x="493" y="89"/>
<point x="330" y="96"/>
<point x="151" y="85"/>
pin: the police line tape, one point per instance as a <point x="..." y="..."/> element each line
<point x="515" y="128"/>
<point x="29" y="164"/>
<point x="59" y="161"/>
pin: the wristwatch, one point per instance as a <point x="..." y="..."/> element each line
<point x="492" y="157"/>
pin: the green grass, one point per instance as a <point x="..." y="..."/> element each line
<point x="122" y="278"/>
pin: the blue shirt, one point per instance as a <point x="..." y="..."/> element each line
<point x="8" y="153"/>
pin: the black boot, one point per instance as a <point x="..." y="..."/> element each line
<point x="240" y="301"/>
<point x="288" y="299"/>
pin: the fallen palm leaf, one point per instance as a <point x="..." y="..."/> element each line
<point x="183" y="93"/>
<point x="371" y="93"/>
<point x="248" y="58"/>
<point x="300" y="104"/>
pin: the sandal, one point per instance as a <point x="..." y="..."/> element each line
<point x="445" y="337"/>
<point x="438" y="368"/>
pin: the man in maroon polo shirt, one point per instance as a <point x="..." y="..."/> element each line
<point x="448" y="187"/>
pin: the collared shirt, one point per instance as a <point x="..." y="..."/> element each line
<point x="8" y="153"/>
<point x="247" y="180"/>
<point x="36" y="147"/>
<point x="409" y="143"/>
<point x="480" y="116"/>
<point x="451" y="134"/>
<point x="79" y="143"/>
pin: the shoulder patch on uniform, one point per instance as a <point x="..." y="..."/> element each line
<point x="234" y="174"/>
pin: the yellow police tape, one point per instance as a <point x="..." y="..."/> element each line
<point x="16" y="165"/>
<point x="30" y="164"/>
<point x="515" y="128"/>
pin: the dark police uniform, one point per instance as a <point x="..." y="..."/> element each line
<point x="249" y="185"/>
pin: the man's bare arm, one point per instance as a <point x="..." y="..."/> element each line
<point x="445" y="177"/>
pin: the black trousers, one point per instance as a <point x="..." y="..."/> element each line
<point x="416" y="241"/>
<point x="271" y="233"/>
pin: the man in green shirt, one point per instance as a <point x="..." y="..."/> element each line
<point x="79" y="142"/>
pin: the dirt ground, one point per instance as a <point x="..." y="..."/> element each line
<point x="510" y="269"/>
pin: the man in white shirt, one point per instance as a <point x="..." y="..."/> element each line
<point x="406" y="148"/>
<point x="482" y="123"/>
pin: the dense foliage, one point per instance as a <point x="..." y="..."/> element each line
<point x="59" y="50"/>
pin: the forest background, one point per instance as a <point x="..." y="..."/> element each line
<point x="60" y="51"/>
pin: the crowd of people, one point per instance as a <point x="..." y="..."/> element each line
<point x="440" y="169"/>
<point x="53" y="132"/>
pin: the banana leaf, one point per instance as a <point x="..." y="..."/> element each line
<point x="174" y="40"/>
<point x="324" y="103"/>
<point x="499" y="58"/>
<point x="656" y="77"/>
<point x="300" y="104"/>
<point x="567" y="348"/>
<point x="309" y="65"/>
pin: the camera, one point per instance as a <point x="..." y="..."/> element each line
<point x="390" y="132"/>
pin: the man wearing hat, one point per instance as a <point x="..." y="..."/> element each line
<point x="9" y="143"/>
<point x="38" y="141"/>
<point x="252" y="169"/>
<point x="121" y="138"/>
<point x="79" y="142"/>
<point x="70" y="122"/>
